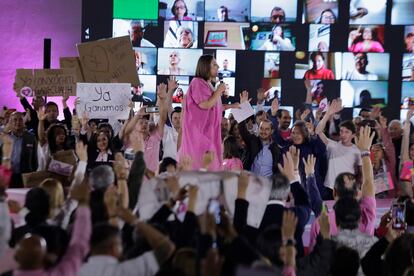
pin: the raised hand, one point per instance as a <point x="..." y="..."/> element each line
<point x="244" y="97"/>
<point x="80" y="193"/>
<point x="82" y="151"/>
<point x="41" y="114"/>
<point x="288" y="168"/>
<point x="335" y="107"/>
<point x="295" y="153"/>
<point x="309" y="164"/>
<point x="242" y="183"/>
<point x="208" y="158"/>
<point x="162" y="91"/>
<point x="289" y="222"/>
<point x="275" y="106"/>
<point x="111" y="200"/>
<point x="324" y="225"/>
<point x="305" y="114"/>
<point x="185" y="164"/>
<point x="121" y="167"/>
<point x="375" y="112"/>
<point x="172" y="84"/>
<point x="383" y="122"/>
<point x="192" y="197"/>
<point x="260" y="95"/>
<point x="364" y="141"/>
<point x="127" y="215"/>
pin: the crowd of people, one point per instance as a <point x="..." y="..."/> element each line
<point x="86" y="179"/>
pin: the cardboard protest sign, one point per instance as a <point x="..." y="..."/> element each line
<point x="108" y="60"/>
<point x="23" y="82"/>
<point x="72" y="62"/>
<point x="45" y="82"/>
<point x="104" y="100"/>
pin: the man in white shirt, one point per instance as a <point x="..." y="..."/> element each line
<point x="343" y="156"/>
<point x="106" y="250"/>
<point x="360" y="71"/>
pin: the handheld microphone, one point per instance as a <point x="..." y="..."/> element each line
<point x="220" y="77"/>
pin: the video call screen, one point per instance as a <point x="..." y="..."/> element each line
<point x="346" y="49"/>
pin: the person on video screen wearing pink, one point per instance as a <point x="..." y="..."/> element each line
<point x="180" y="11"/>
<point x="277" y="15"/>
<point x="318" y="70"/>
<point x="277" y="41"/>
<point x="364" y="40"/>
<point x="202" y="112"/>
<point x="409" y="42"/>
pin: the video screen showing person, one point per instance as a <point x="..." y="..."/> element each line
<point x="146" y="60"/>
<point x="408" y="67"/>
<point x="367" y="11"/>
<point x="407" y="95"/>
<point x="319" y="37"/>
<point x="226" y="60"/>
<point x="183" y="10"/>
<point x="145" y="92"/>
<point x="225" y="35"/>
<point x="366" y="38"/>
<point x="178" y="62"/>
<point x="318" y="66"/>
<point x="136" y="29"/>
<point x="409" y="39"/>
<point x="320" y="11"/>
<point x="271" y="65"/>
<point x="276" y="11"/>
<point x="402" y="12"/>
<point x="273" y="89"/>
<point x="365" y="66"/>
<point x="227" y="10"/>
<point x="180" y="34"/>
<point x="364" y="94"/>
<point x="272" y="37"/>
<point x="230" y="88"/>
<point x="323" y="92"/>
<point x="181" y="91"/>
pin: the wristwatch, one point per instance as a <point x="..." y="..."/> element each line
<point x="289" y="242"/>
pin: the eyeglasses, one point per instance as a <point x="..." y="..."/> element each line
<point x="180" y="7"/>
<point x="281" y="17"/>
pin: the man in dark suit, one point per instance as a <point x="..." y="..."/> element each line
<point x="263" y="154"/>
<point x="276" y="206"/>
<point x="24" y="153"/>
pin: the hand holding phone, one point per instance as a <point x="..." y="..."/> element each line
<point x="398" y="216"/>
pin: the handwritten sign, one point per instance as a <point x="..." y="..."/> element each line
<point x="108" y="60"/>
<point x="104" y="100"/>
<point x="72" y="62"/>
<point x="46" y="82"/>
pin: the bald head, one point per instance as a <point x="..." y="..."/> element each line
<point x="30" y="252"/>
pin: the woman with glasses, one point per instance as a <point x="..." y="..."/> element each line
<point x="327" y="17"/>
<point x="180" y="11"/>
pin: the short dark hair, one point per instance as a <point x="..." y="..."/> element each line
<point x="397" y="256"/>
<point x="345" y="262"/>
<point x="51" y="136"/>
<point x="231" y="149"/>
<point x="51" y="104"/>
<point x="203" y="67"/>
<point x="102" y="233"/>
<point x="280" y="112"/>
<point x="348" y="125"/>
<point x="314" y="54"/>
<point x="173" y="7"/>
<point x="165" y="162"/>
<point x="269" y="242"/>
<point x="347" y="213"/>
<point x="279" y="9"/>
<point x="341" y="190"/>
<point x="326" y="10"/>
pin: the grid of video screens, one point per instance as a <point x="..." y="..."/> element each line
<point x="341" y="46"/>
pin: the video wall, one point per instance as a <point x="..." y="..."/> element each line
<point x="359" y="50"/>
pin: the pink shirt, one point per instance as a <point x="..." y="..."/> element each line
<point x="367" y="224"/>
<point x="152" y="151"/>
<point x="201" y="128"/>
<point x="374" y="46"/>
<point x="76" y="252"/>
<point x="233" y="164"/>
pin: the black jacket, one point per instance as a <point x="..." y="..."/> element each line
<point x="254" y="146"/>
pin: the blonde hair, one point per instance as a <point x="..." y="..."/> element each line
<point x="54" y="189"/>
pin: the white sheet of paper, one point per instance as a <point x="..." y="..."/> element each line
<point x="104" y="100"/>
<point x="242" y="113"/>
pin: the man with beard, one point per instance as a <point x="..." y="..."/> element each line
<point x="281" y="119"/>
